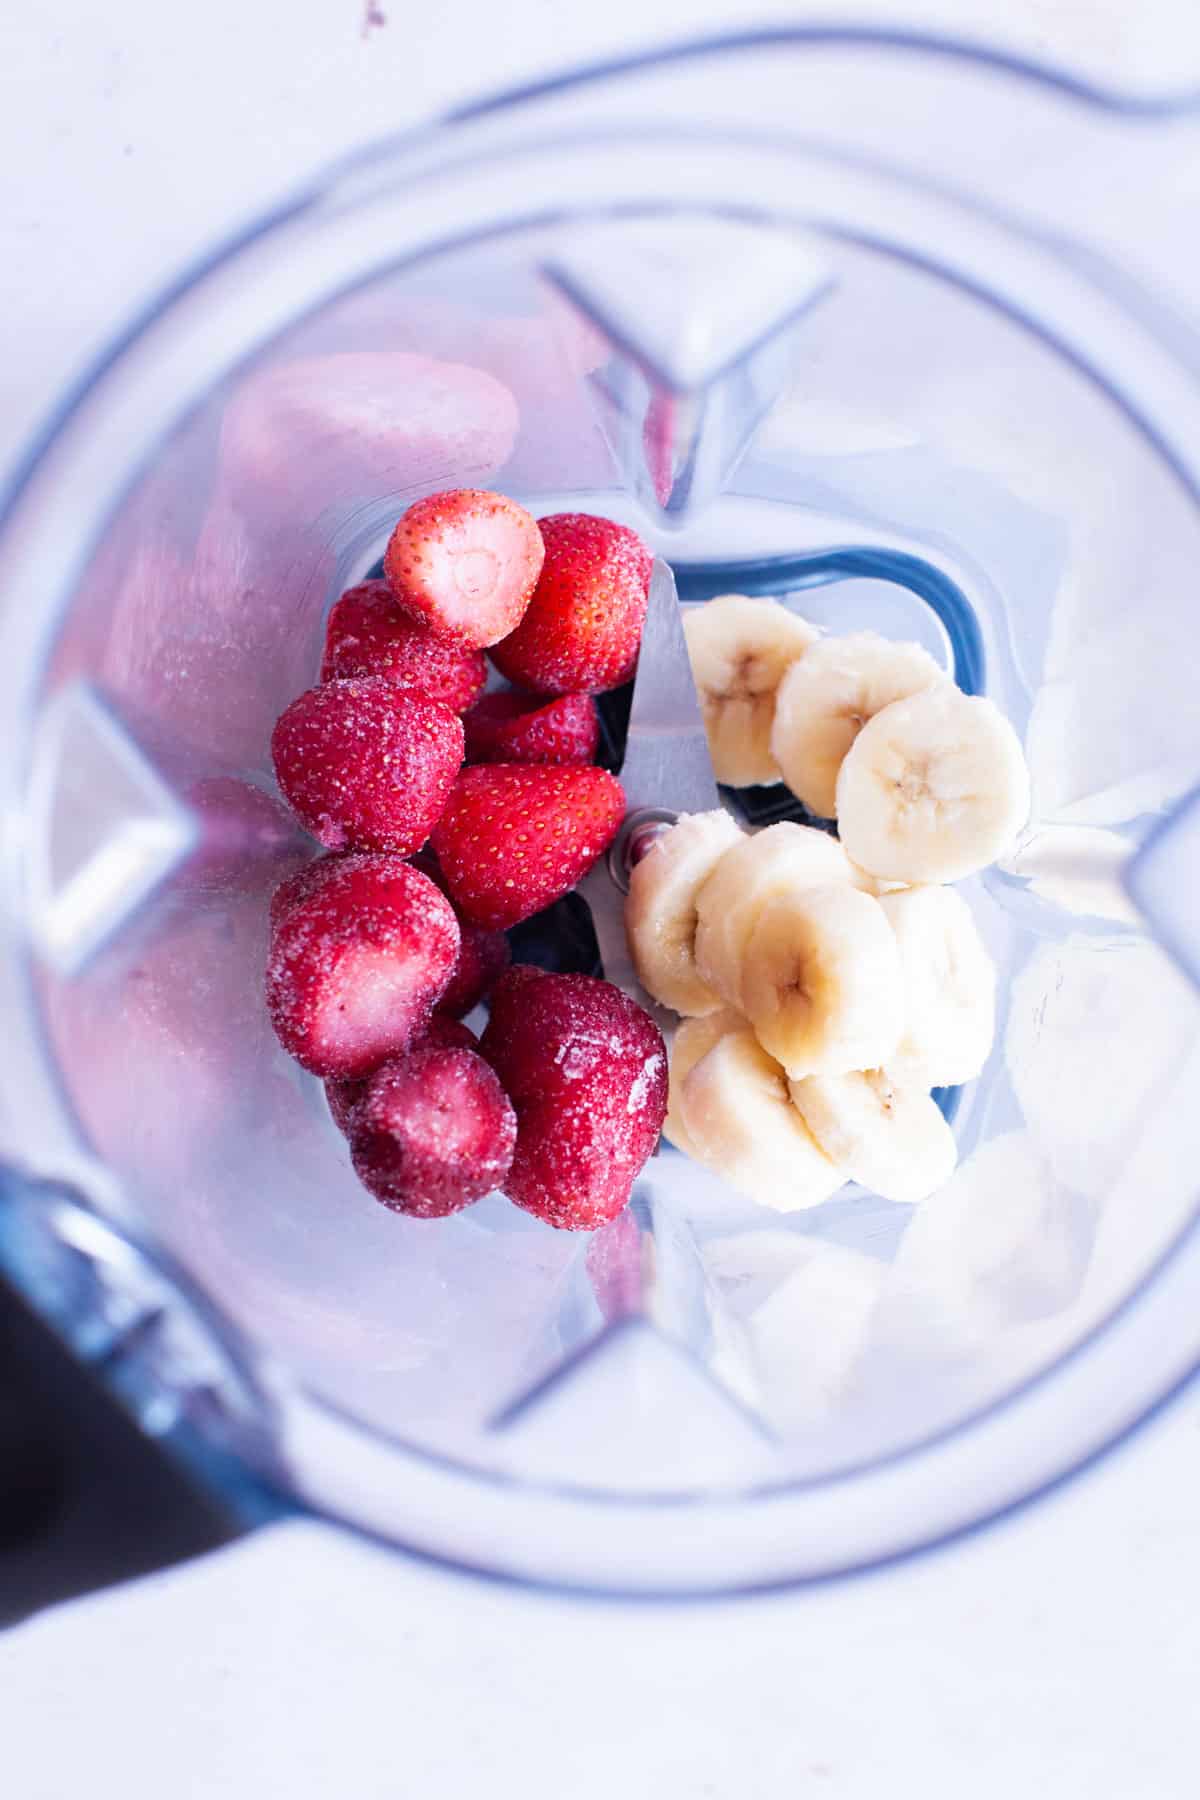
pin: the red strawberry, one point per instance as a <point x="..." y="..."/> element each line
<point x="307" y="880"/>
<point x="357" y="963"/>
<point x="344" y="1097"/>
<point x="586" y="1071"/>
<point x="584" y="624"/>
<point x="514" y="728"/>
<point x="466" y="561"/>
<point x="518" y="975"/>
<point x="367" y="765"/>
<point x="369" y="634"/>
<point x="434" y="1131"/>
<point x="482" y="960"/>
<point x="442" y="1033"/>
<point x="344" y="1094"/>
<point x="513" y="839"/>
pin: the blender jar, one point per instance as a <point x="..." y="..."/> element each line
<point x="896" y="331"/>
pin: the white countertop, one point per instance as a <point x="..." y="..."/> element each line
<point x="1058" y="1650"/>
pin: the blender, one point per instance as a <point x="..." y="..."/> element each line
<point x="880" y="325"/>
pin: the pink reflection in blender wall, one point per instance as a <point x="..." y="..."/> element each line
<point x="164" y="1040"/>
<point x="315" y="455"/>
<point x="205" y="631"/>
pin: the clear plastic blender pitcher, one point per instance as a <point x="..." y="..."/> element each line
<point x="898" y="332"/>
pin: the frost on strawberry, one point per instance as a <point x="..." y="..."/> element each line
<point x="367" y="765"/>
<point x="345" y="1094"/>
<point x="586" y="1070"/>
<point x="357" y="965"/>
<point x="310" y="879"/>
<point x="432" y="1132"/>
<point x="369" y="633"/>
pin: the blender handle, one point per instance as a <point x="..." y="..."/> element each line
<point x="86" y="1498"/>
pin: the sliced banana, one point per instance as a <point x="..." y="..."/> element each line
<point x="891" y="1138"/>
<point x="934" y="788"/>
<point x="729" y="902"/>
<point x="741" y="1123"/>
<point x="660" y="913"/>
<point x="949" y="988"/>
<point x="827" y="697"/>
<point x="694" y="1039"/>
<point x="822" y="982"/>
<point x="740" y="650"/>
<point x="871" y="884"/>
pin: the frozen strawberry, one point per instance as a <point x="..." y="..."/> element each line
<point x="514" y="728"/>
<point x="466" y="561"/>
<point x="369" y="633"/>
<point x="434" y="1131"/>
<point x="584" y="624"/>
<point x="442" y="1033"/>
<point x="357" y="964"/>
<point x="512" y="839"/>
<point x="307" y="880"/>
<point x="586" y="1071"/>
<point x="367" y="765"/>
<point x="514" y="980"/>
<point x="482" y="960"/>
<point x="345" y="1094"/>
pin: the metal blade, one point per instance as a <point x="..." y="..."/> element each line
<point x="667" y="770"/>
<point x="667" y="763"/>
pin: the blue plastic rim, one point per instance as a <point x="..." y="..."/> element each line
<point x="821" y="568"/>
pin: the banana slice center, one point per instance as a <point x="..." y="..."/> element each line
<point x="748" y="678"/>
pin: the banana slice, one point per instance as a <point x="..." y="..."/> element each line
<point x="694" y="1039"/>
<point x="740" y="650"/>
<point x="872" y="884"/>
<point x="934" y="788"/>
<point x="741" y="1123"/>
<point x="660" y="913"/>
<point x="827" y="697"/>
<point x="822" y="982"/>
<point x="891" y="1138"/>
<point x="949" y="986"/>
<point x="783" y="856"/>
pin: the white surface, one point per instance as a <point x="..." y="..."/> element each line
<point x="1059" y="1650"/>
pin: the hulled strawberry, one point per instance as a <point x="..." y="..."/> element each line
<point x="586" y="1070"/>
<point x="432" y="1132"/>
<point x="345" y="1092"/>
<point x="466" y="562"/>
<point x="357" y="964"/>
<point x="369" y="633"/>
<point x="583" y="626"/>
